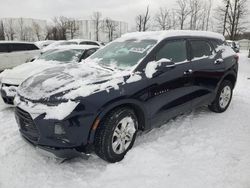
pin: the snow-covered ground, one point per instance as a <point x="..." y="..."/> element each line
<point x="198" y="149"/>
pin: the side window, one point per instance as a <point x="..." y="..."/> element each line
<point x="90" y="52"/>
<point x="15" y="47"/>
<point x="4" y="48"/>
<point x="84" y="43"/>
<point x="201" y="48"/>
<point x="175" y="51"/>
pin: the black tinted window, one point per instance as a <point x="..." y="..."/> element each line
<point x="89" y="43"/>
<point x="4" y="48"/>
<point x="201" y="48"/>
<point x="175" y="51"/>
<point x="90" y="52"/>
<point x="23" y="47"/>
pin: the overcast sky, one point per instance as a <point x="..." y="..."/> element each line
<point x="123" y="10"/>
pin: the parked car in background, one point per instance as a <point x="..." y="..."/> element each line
<point x="56" y="44"/>
<point x="135" y="83"/>
<point x="43" y="44"/>
<point x="13" y="54"/>
<point x="87" y="42"/>
<point x="234" y="45"/>
<point x="11" y="79"/>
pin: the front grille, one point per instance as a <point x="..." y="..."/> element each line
<point x="27" y="125"/>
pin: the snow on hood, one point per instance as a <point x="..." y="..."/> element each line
<point x="72" y="80"/>
<point x="18" y="74"/>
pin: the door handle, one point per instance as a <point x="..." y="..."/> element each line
<point x="218" y="61"/>
<point x="188" y="72"/>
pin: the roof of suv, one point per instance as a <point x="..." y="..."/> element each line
<point x="161" y="35"/>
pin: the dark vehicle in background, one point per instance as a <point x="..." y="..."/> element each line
<point x="11" y="79"/>
<point x="234" y="45"/>
<point x="13" y="54"/>
<point x="138" y="82"/>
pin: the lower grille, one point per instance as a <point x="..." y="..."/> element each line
<point x="27" y="125"/>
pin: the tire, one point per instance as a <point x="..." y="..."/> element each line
<point x="113" y="139"/>
<point x="225" y="89"/>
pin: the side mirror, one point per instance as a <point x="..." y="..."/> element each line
<point x="157" y="68"/>
<point x="164" y="65"/>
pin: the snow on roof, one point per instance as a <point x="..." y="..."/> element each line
<point x="82" y="40"/>
<point x="75" y="47"/>
<point x="15" y="42"/>
<point x="160" y="35"/>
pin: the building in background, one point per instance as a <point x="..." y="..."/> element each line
<point x="24" y="29"/>
<point x="87" y="30"/>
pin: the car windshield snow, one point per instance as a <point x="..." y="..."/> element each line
<point x="123" y="54"/>
<point x="72" y="55"/>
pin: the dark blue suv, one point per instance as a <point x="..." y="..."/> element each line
<point x="135" y="83"/>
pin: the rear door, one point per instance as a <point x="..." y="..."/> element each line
<point x="207" y="67"/>
<point x="169" y="92"/>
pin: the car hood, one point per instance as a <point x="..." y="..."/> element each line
<point x="18" y="74"/>
<point x="70" y="81"/>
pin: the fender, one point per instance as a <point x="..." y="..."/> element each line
<point x="109" y="106"/>
<point x="231" y="72"/>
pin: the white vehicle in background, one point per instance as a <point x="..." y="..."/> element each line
<point x="55" y="44"/>
<point x="13" y="54"/>
<point x="43" y="44"/>
<point x="87" y="42"/>
<point x="11" y="79"/>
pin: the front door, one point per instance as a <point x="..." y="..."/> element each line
<point x="169" y="92"/>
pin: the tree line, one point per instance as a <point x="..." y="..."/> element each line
<point x="61" y="28"/>
<point x="228" y="18"/>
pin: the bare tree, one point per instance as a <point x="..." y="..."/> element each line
<point x="163" y="19"/>
<point x="234" y="12"/>
<point x="2" y="33"/>
<point x="61" y="23"/>
<point x="142" y="21"/>
<point x="195" y="9"/>
<point x="9" y="29"/>
<point x="21" y="29"/>
<point x="182" y="12"/>
<point x="110" y="27"/>
<point x="73" y="27"/>
<point x="37" y="30"/>
<point x="139" y="23"/>
<point x="96" y="17"/>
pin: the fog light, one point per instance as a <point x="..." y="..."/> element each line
<point x="59" y="129"/>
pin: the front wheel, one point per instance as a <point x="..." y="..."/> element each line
<point x="116" y="134"/>
<point x="223" y="97"/>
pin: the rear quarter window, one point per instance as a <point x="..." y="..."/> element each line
<point x="201" y="48"/>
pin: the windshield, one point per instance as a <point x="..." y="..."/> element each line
<point x="123" y="54"/>
<point x="62" y="55"/>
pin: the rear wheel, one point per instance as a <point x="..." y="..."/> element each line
<point x="116" y="134"/>
<point x="223" y="97"/>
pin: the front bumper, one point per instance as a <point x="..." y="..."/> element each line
<point x="40" y="133"/>
<point x="68" y="153"/>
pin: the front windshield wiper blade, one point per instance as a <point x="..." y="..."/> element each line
<point x="108" y="68"/>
